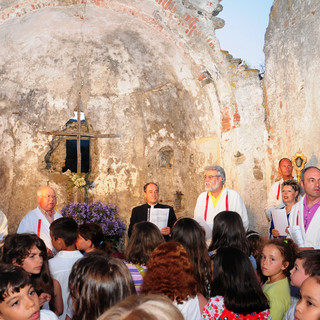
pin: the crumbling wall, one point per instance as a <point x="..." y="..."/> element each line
<point x="149" y="70"/>
<point x="291" y="81"/>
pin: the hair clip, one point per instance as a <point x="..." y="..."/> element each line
<point x="101" y="243"/>
<point x="285" y="241"/>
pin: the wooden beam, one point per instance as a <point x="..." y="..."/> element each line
<point x="73" y="134"/>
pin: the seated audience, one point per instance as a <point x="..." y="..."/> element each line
<point x="18" y="299"/>
<point x="145" y="237"/>
<point x="190" y="234"/>
<point x="236" y="292"/>
<point x="151" y="307"/>
<point x="96" y="283"/>
<point x="170" y="271"/>
<point x="29" y="252"/>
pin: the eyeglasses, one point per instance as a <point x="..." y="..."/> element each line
<point x="49" y="196"/>
<point x="211" y="177"/>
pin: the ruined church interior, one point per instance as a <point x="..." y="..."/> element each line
<point x="147" y="88"/>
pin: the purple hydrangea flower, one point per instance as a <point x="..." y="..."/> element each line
<point x="105" y="215"/>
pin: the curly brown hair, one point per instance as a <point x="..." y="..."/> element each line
<point x="288" y="250"/>
<point x="170" y="271"/>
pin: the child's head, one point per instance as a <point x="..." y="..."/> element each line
<point x="90" y="237"/>
<point x="138" y="307"/>
<point x="145" y="237"/>
<point x="308" y="307"/>
<point x="25" y="250"/>
<point x="191" y="235"/>
<point x="18" y="299"/>
<point x="234" y="278"/>
<point x="228" y="231"/>
<point x="64" y="233"/>
<point x="170" y="271"/>
<point x="96" y="283"/>
<point x="255" y="241"/>
<point x="307" y="263"/>
<point x="277" y="258"/>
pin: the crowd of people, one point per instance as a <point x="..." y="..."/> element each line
<point x="171" y="269"/>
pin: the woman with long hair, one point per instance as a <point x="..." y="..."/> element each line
<point x="170" y="271"/>
<point x="236" y="292"/>
<point x="96" y="283"/>
<point x="228" y="231"/>
<point x="190" y="234"/>
<point x="145" y="237"/>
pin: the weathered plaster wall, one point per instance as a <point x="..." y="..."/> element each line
<point x="151" y="71"/>
<point x="291" y="81"/>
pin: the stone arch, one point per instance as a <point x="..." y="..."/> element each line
<point x="159" y="79"/>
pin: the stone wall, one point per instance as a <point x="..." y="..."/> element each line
<point x="292" y="81"/>
<point x="149" y="70"/>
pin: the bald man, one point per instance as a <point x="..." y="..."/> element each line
<point x="38" y="220"/>
<point x="285" y="170"/>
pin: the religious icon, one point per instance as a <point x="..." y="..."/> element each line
<point x="299" y="161"/>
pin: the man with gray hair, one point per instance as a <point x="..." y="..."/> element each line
<point x="38" y="220"/>
<point x="218" y="198"/>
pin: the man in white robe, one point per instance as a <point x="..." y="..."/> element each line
<point x="38" y="220"/>
<point x="218" y="198"/>
<point x="275" y="196"/>
<point x="306" y="213"/>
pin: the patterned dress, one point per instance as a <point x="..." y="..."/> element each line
<point x="216" y="310"/>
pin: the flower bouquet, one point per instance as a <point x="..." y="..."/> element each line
<point x="105" y="215"/>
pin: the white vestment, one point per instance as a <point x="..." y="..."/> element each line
<point x="30" y="224"/>
<point x="312" y="236"/>
<point x="275" y="195"/>
<point x="235" y="203"/>
<point x="60" y="267"/>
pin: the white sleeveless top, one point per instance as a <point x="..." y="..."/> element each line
<point x="190" y="309"/>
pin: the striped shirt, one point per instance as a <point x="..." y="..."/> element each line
<point x="136" y="276"/>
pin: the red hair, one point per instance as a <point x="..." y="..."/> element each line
<point x="170" y="271"/>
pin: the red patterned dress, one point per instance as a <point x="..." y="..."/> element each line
<point x="216" y="310"/>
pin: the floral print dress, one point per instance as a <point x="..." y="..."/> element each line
<point x="216" y="310"/>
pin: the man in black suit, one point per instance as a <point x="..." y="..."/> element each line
<point x="142" y="213"/>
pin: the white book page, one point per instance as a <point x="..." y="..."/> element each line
<point x="159" y="216"/>
<point x="205" y="226"/>
<point x="280" y="220"/>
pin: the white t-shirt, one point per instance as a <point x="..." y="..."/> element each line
<point x="190" y="309"/>
<point x="60" y="267"/>
<point x="47" y="315"/>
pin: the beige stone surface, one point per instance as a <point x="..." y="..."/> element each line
<point x="151" y="71"/>
<point x="292" y="80"/>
